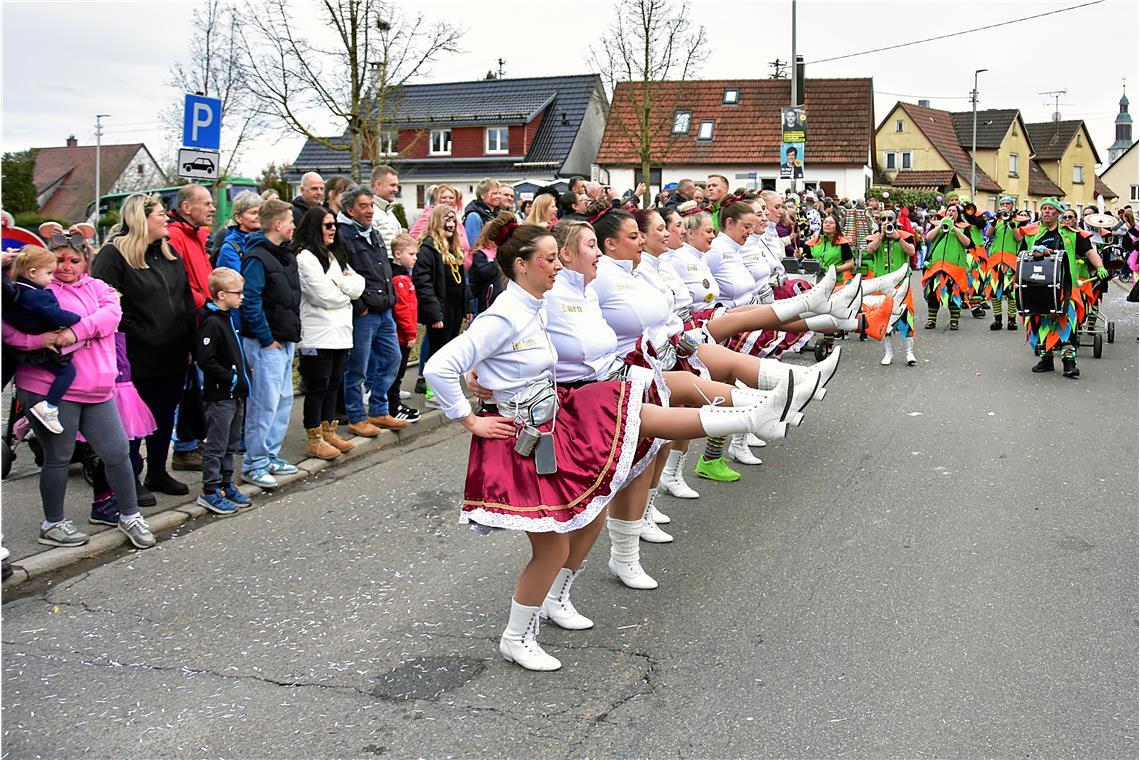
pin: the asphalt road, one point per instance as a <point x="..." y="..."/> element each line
<point x="941" y="562"/>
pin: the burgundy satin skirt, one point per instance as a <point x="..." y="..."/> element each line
<point x="597" y="443"/>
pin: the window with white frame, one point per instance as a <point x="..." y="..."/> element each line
<point x="496" y="140"/>
<point x="705" y="131"/>
<point x="1078" y="174"/>
<point x="906" y="159"/>
<point x="1013" y="164"/>
<point x="898" y="125"/>
<point x="1134" y="192"/>
<point x="387" y="143"/>
<point x="890" y="160"/>
<point x="440" y="143"/>
<point x="731" y="96"/>
<point x="681" y="121"/>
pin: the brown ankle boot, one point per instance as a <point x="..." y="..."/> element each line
<point x="315" y="446"/>
<point x="328" y="433"/>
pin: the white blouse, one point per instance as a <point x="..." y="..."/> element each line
<point x="630" y="305"/>
<point x="586" y="345"/>
<point x="506" y="345"/>
<point x="773" y="246"/>
<point x="682" y="298"/>
<point x="735" y="281"/>
<point x="689" y="265"/>
<point x="755" y="260"/>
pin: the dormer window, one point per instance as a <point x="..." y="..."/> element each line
<point x="681" y="121"/>
<point x="496" y="141"/>
<point x="731" y="96"/>
<point x="705" y="131"/>
<point x="440" y="144"/>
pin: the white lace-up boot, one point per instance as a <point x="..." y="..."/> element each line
<point x="766" y="419"/>
<point x="673" y="477"/>
<point x="888" y="352"/>
<point x="813" y="301"/>
<point x="658" y="516"/>
<point x="738" y="450"/>
<point x="753" y="441"/>
<point x="910" y="359"/>
<point x="559" y="609"/>
<point x="886" y="283"/>
<point x="625" y="554"/>
<point x="519" y="642"/>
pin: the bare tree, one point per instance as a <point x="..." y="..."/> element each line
<point x="216" y="68"/>
<point x="374" y="49"/>
<point x="649" y="41"/>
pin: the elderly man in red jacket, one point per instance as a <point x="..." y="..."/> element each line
<point x="189" y="228"/>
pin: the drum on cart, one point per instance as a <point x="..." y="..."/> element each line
<point x="1041" y="283"/>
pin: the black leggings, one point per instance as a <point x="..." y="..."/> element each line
<point x="161" y="395"/>
<point x="323" y="374"/>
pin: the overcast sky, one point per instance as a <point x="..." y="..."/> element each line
<point x="64" y="62"/>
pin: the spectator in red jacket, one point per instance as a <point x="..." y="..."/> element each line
<point x="188" y="227"/>
<point x="406" y="312"/>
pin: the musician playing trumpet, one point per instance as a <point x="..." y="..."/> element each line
<point x="1048" y="332"/>
<point x="1001" y="271"/>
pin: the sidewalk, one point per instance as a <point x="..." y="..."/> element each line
<point x="21" y="501"/>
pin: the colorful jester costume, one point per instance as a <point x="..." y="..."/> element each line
<point x="1047" y="332"/>
<point x="977" y="258"/>
<point x="887" y="258"/>
<point x="832" y="253"/>
<point x="1001" y="273"/>
<point x="946" y="281"/>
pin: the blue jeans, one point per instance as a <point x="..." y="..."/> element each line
<point x="270" y="402"/>
<point x="374" y="361"/>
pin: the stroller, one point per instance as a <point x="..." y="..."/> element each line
<point x="18" y="430"/>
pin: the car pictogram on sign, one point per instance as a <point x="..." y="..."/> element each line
<point x="199" y="164"/>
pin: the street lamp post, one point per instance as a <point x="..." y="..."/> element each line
<point x="974" y="142"/>
<point x="98" y="167"/>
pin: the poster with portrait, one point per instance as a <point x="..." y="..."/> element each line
<point x="792" y="160"/>
<point x="793" y="125"/>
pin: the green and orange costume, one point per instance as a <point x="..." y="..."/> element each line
<point x="1046" y="332"/>
<point x="887" y="258"/>
<point x="1001" y="273"/>
<point x="947" y="279"/>
<point x="977" y="258"/>
<point x="829" y="253"/>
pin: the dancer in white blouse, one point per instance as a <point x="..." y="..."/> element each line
<point x="547" y="459"/>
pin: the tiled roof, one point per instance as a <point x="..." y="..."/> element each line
<point x="566" y="99"/>
<point x="76" y="167"/>
<point x="1105" y="190"/>
<point x="910" y="178"/>
<point x="993" y="124"/>
<point x="1051" y="138"/>
<point x="840" y="122"/>
<point x="1040" y="184"/>
<point x="939" y="130"/>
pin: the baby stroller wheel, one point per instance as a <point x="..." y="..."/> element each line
<point x="90" y="462"/>
<point x="1098" y="346"/>
<point x="1111" y="332"/>
<point x="821" y="351"/>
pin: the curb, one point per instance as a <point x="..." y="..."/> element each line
<point x="55" y="559"/>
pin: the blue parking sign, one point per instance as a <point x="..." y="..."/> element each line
<point x="202" y="123"/>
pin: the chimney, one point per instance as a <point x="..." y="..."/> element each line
<point x="72" y="142"/>
<point x="924" y="103"/>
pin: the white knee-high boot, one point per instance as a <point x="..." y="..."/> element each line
<point x="559" y="609"/>
<point x="673" y="477"/>
<point x="625" y="553"/>
<point x="519" y="642"/>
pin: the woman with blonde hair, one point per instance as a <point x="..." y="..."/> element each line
<point x="441" y="280"/>
<point x="158" y="321"/>
<point x="543" y="211"/>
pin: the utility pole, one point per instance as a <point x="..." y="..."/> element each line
<point x="795" y="75"/>
<point x="974" y="143"/>
<point x="98" y="167"/>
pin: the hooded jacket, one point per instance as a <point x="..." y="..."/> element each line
<point x="157" y="307"/>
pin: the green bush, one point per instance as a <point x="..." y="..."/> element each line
<point x="398" y="211"/>
<point x="30" y="220"/>
<point x="905" y="196"/>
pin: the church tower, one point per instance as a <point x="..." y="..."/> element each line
<point x="1123" y="131"/>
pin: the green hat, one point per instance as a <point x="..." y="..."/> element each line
<point x="1051" y="201"/>
<point x="1007" y="199"/>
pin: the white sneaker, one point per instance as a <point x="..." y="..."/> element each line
<point x="738" y="450"/>
<point x="48" y="415"/>
<point x="405" y="395"/>
<point x="651" y="531"/>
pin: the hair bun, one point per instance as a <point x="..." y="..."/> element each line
<point x="505" y="233"/>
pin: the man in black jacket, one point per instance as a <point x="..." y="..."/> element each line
<point x="312" y="194"/>
<point x="375" y="356"/>
<point x="481" y="210"/>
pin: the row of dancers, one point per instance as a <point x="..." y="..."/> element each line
<point x="614" y="343"/>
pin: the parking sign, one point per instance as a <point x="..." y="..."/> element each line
<point x="202" y="123"/>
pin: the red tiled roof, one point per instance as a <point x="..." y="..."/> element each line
<point x="938" y="127"/>
<point x="910" y="178"/>
<point x="76" y="167"/>
<point x="1105" y="190"/>
<point x="840" y="118"/>
<point x="1040" y="184"/>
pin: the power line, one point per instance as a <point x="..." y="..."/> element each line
<point x="923" y="97"/>
<point x="957" y="34"/>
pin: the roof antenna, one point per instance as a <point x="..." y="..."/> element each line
<point x="1056" y="102"/>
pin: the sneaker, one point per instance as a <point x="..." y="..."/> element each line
<point x="186" y="460"/>
<point x="404" y="395"/>
<point x="63" y="534"/>
<point x="716" y="469"/>
<point x="164" y="483"/>
<point x="137" y="531"/>
<point x="260" y="477"/>
<point x="48" y="415"/>
<point x="421" y="385"/>
<point x="105" y="512"/>
<point x="143" y="496"/>
<point x="234" y="494"/>
<point x="279" y="466"/>
<point x="217" y="503"/>
<point x="407" y="414"/>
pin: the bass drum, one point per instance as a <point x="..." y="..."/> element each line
<point x="1041" y="284"/>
